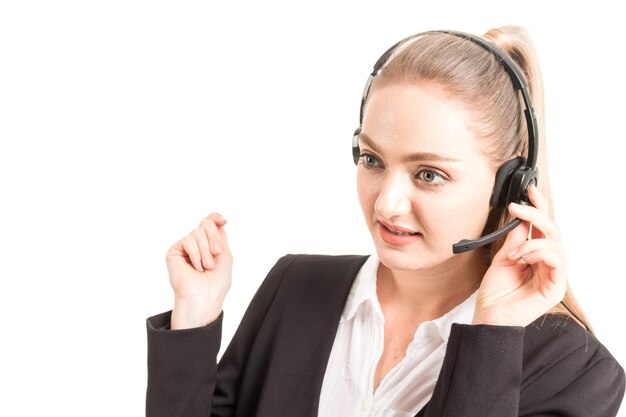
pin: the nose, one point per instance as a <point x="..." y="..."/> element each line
<point x="394" y="198"/>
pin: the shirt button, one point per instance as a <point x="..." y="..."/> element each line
<point x="345" y="372"/>
<point x="365" y="405"/>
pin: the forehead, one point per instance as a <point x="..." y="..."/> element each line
<point x="407" y="117"/>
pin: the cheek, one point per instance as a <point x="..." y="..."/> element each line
<point x="440" y="213"/>
<point x="370" y="187"/>
<point x="472" y="210"/>
<point x="454" y="214"/>
<point x="367" y="194"/>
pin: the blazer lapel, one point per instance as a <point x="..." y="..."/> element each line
<point x="316" y="293"/>
<point x="305" y="316"/>
<point x="320" y="289"/>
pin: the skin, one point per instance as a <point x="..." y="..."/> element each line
<point x="421" y="169"/>
<point x="442" y="193"/>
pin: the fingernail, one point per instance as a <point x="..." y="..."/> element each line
<point x="512" y="253"/>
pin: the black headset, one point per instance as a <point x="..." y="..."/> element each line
<point x="515" y="176"/>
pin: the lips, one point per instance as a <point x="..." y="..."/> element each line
<point x="398" y="230"/>
<point x="397" y="235"/>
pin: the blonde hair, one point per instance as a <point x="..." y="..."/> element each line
<point x="472" y="75"/>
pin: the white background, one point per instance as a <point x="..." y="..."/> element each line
<point x="124" y="123"/>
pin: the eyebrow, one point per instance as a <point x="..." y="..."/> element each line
<point x="414" y="157"/>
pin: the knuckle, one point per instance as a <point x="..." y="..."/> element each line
<point x="190" y="245"/>
<point x="207" y="222"/>
<point x="212" y="232"/>
<point x="209" y="226"/>
<point x="215" y="217"/>
<point x="555" y="232"/>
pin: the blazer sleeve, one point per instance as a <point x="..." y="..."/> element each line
<point x="540" y="371"/>
<point x="183" y="376"/>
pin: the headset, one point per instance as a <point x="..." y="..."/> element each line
<point x="515" y="176"/>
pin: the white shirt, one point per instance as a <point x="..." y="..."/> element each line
<point x="347" y="390"/>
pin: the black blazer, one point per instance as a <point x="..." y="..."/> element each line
<point x="275" y="363"/>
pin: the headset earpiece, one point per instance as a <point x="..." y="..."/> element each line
<point x="513" y="177"/>
<point x="356" y="150"/>
<point x="502" y="183"/>
<point x="522" y="178"/>
<point x="512" y="181"/>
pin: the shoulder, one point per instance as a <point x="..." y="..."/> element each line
<point x="294" y="275"/>
<point x="306" y="266"/>
<point x="323" y="259"/>
<point x="303" y="270"/>
<point x="563" y="361"/>
<point x="558" y="337"/>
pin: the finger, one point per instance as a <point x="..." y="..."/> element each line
<point x="216" y="218"/>
<point x="535" y="245"/>
<point x="530" y="246"/>
<point x="546" y="256"/>
<point x="222" y="231"/>
<point x="203" y="246"/>
<point x="514" y="239"/>
<point x="538" y="200"/>
<point x="213" y="236"/>
<point x="540" y="250"/>
<point x="191" y="249"/>
<point x="537" y="218"/>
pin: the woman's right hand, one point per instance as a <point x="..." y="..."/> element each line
<point x="200" y="268"/>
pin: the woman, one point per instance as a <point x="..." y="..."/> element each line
<point x="413" y="329"/>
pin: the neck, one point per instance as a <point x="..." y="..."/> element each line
<point x="428" y="294"/>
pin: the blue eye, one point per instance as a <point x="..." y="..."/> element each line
<point x="370" y="161"/>
<point x="431" y="177"/>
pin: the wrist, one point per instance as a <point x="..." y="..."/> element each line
<point x="498" y="318"/>
<point x="492" y="317"/>
<point x="190" y="313"/>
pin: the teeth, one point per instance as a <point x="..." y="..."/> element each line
<point x="401" y="233"/>
<point x="396" y="232"/>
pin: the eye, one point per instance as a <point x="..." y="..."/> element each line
<point x="431" y="177"/>
<point x="370" y="161"/>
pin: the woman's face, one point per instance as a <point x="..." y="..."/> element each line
<point x="423" y="180"/>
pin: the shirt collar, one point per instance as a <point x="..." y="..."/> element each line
<point x="364" y="290"/>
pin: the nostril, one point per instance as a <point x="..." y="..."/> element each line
<point x="392" y="207"/>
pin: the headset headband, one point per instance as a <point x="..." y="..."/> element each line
<point x="525" y="174"/>
<point x="518" y="80"/>
<point x="512" y="179"/>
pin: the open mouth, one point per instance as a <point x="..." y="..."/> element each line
<point x="397" y="236"/>
<point x="399" y="232"/>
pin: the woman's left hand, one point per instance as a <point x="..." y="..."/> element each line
<point x="527" y="277"/>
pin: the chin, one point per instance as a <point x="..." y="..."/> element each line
<point x="409" y="259"/>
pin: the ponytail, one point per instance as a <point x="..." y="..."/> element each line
<point x="517" y="44"/>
